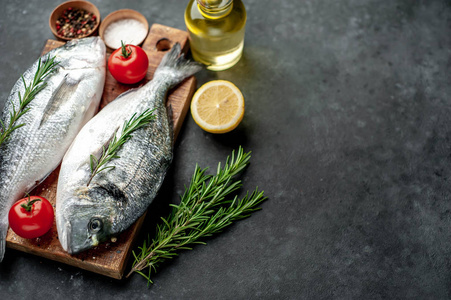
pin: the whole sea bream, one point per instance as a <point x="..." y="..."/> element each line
<point x="115" y="198"/>
<point x="69" y="99"/>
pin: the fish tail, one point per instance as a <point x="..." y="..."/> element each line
<point x="176" y="66"/>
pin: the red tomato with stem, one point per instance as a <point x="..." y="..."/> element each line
<point x="31" y="217"/>
<point x="128" y="64"/>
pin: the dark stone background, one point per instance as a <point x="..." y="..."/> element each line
<point x="348" y="118"/>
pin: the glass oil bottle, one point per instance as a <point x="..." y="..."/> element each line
<point x="216" y="32"/>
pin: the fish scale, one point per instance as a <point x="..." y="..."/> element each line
<point x="116" y="198"/>
<point x="33" y="151"/>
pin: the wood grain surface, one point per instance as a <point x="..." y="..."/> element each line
<point x="110" y="258"/>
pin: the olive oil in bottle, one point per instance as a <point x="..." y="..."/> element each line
<point x="216" y="32"/>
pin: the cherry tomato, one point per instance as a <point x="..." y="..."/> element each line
<point x="31" y="217"/>
<point x="128" y="64"/>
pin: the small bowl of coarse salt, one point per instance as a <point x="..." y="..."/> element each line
<point x="125" y="25"/>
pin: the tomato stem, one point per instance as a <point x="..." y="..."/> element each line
<point x="29" y="205"/>
<point x="126" y="51"/>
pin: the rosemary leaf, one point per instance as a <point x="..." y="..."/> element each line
<point x="204" y="210"/>
<point x="110" y="151"/>
<point x="31" y="90"/>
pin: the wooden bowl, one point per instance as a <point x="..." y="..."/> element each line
<point x="119" y="15"/>
<point x="58" y="11"/>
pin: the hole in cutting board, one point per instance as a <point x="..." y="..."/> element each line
<point x="163" y="44"/>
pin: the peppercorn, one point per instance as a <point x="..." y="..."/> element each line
<point x="75" y="23"/>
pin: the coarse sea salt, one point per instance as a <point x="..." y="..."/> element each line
<point x="130" y="31"/>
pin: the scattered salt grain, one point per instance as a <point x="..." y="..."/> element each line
<point x="130" y="31"/>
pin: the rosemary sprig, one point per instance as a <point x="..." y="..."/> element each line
<point x="203" y="211"/>
<point x="30" y="92"/>
<point x="109" y="151"/>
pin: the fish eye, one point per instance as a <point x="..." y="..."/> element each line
<point x="95" y="225"/>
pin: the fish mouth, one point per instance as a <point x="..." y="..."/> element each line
<point x="75" y="249"/>
<point x="64" y="233"/>
<point x="84" y="41"/>
<point x="76" y="236"/>
<point x="64" y="228"/>
<point x="96" y="40"/>
<point x="69" y="244"/>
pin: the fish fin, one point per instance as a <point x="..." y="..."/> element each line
<point x="64" y="90"/>
<point x="3" y="232"/>
<point x="175" y="64"/>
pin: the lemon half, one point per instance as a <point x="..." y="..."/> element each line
<point x="218" y="106"/>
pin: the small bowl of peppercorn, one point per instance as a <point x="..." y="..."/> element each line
<point x="74" y="19"/>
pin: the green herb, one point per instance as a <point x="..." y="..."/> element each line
<point x="31" y="90"/>
<point x="203" y="211"/>
<point x="126" y="51"/>
<point x="29" y="205"/>
<point x="109" y="151"/>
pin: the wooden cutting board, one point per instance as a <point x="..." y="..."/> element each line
<point x="110" y="258"/>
